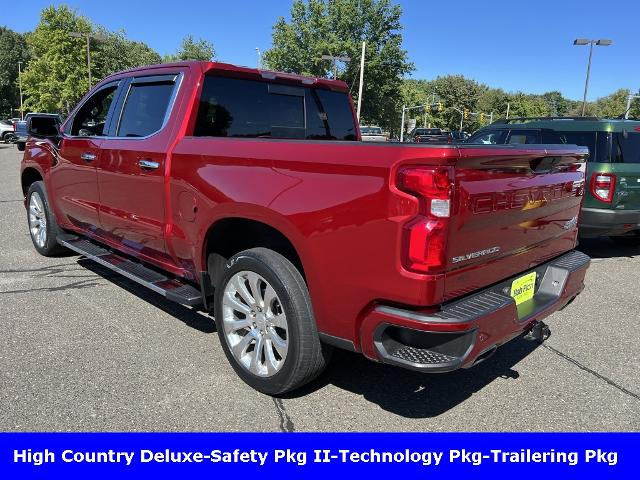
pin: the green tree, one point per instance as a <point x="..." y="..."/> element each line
<point x="56" y="77"/>
<point x="13" y="49"/>
<point x="611" y="106"/>
<point x="558" y="105"/>
<point x="523" y="105"/>
<point x="191" y="49"/>
<point x="634" y="111"/>
<point x="338" y="28"/>
<point x="413" y="93"/>
<point x="456" y="93"/>
<point x="115" y="53"/>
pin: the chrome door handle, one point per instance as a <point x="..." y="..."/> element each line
<point x="148" y="164"/>
<point x="88" y="157"/>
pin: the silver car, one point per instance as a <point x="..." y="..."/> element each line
<point x="373" y="134"/>
<point x="7" y="134"/>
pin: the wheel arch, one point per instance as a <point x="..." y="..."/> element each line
<point x="28" y="176"/>
<point x="230" y="235"/>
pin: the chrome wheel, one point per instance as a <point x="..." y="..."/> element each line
<point x="255" y="325"/>
<point x="37" y="220"/>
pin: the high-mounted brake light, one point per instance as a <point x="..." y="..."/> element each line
<point x="603" y="186"/>
<point x="425" y="235"/>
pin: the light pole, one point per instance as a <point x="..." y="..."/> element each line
<point x="629" y="100"/>
<point x="88" y="36"/>
<point x="404" y="110"/>
<point x="259" y="57"/>
<point x="361" y="79"/>
<point x="20" y="86"/>
<point x="591" y="43"/>
<point x="461" y="112"/>
<point x="335" y="60"/>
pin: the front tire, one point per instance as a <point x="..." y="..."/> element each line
<point x="43" y="227"/>
<point x="265" y="322"/>
<point x="9" y="137"/>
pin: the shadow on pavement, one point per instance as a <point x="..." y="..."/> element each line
<point x="413" y="394"/>
<point x="191" y="317"/>
<point x="603" y="247"/>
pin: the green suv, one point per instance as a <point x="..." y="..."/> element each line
<point x="612" y="201"/>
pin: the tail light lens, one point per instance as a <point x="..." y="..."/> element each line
<point x="424" y="237"/>
<point x="603" y="186"/>
<point x="15" y="126"/>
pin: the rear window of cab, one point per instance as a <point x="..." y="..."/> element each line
<point x="234" y="107"/>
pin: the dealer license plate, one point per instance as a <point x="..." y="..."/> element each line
<point x="522" y="288"/>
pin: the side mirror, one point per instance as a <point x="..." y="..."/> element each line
<point x="43" y="126"/>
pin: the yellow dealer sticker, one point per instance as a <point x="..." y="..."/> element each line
<point x="522" y="288"/>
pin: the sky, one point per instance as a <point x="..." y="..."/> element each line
<point x="517" y="46"/>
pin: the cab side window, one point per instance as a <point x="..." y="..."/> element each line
<point x="90" y="119"/>
<point x="145" y="108"/>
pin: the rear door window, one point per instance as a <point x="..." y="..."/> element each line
<point x="625" y="147"/>
<point x="145" y="107"/>
<point x="596" y="142"/>
<point x="231" y="107"/>
<point x="489" y="137"/>
<point x="522" y="137"/>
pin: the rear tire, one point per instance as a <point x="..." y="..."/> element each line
<point x="627" y="241"/>
<point x="266" y="324"/>
<point x="20" y="146"/>
<point x="43" y="227"/>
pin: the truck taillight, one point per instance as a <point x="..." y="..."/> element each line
<point x="603" y="186"/>
<point x="425" y="235"/>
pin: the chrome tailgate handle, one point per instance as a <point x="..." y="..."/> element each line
<point x="148" y="164"/>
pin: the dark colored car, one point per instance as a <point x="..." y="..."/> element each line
<point x="430" y="135"/>
<point x="458" y="136"/>
<point x="612" y="204"/>
<point x="249" y="193"/>
<point x="22" y="126"/>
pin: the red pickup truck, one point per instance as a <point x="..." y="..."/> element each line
<point x="251" y="193"/>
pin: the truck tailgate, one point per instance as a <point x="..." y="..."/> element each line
<point x="513" y="208"/>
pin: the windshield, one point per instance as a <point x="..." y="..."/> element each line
<point x="371" y="131"/>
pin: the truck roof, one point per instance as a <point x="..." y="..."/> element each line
<point x="205" y="67"/>
<point x="568" y="123"/>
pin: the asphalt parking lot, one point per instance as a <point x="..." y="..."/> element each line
<point x="84" y="349"/>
